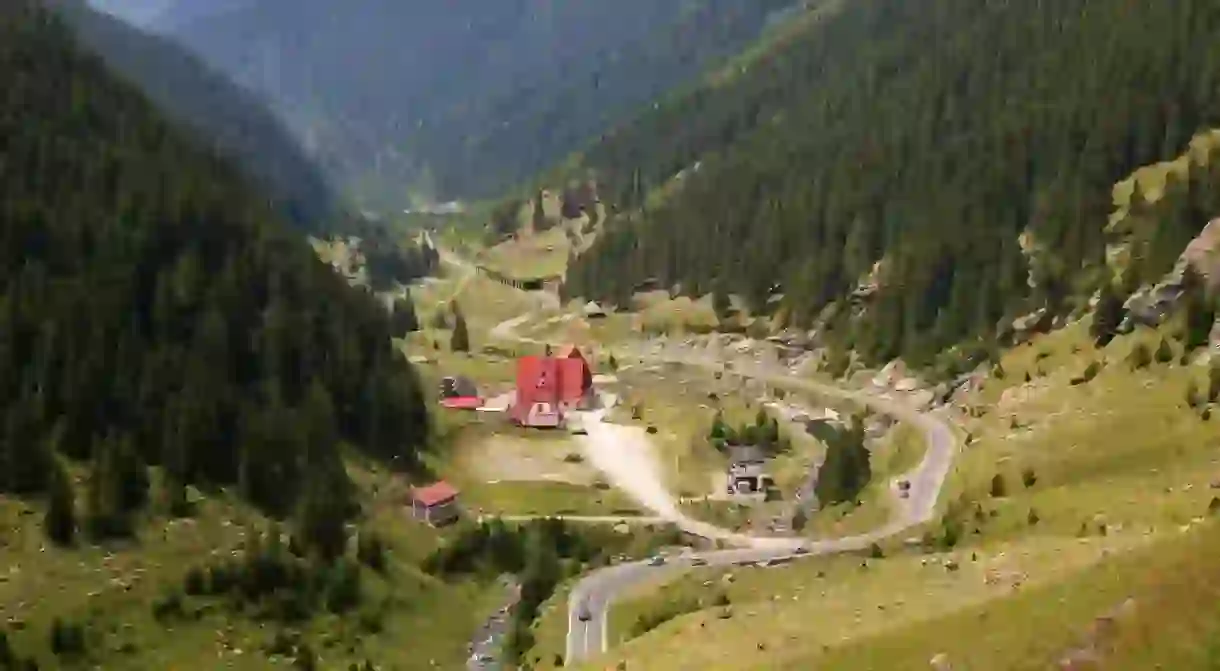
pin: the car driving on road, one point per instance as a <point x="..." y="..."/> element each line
<point x="657" y="560"/>
<point x="583" y="614"/>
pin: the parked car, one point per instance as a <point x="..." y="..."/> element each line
<point x="696" y="560"/>
<point x="657" y="560"/>
<point x="802" y="550"/>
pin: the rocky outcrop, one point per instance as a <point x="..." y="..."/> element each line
<point x="1151" y="305"/>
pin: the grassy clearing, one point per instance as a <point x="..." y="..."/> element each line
<point x="546" y="498"/>
<point x="540" y="255"/>
<point x="658" y="313"/>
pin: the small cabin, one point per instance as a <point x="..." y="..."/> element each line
<point x="435" y="504"/>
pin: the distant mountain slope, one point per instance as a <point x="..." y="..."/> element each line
<point x="154" y="309"/>
<point x="909" y="159"/>
<point x="234" y="120"/>
<point x="468" y="97"/>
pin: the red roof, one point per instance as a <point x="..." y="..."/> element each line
<point x="550" y="380"/>
<point x="463" y="403"/>
<point x="434" y="494"/>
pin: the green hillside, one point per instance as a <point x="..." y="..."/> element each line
<point x="924" y="136"/>
<point x="193" y="408"/>
<point x="219" y="112"/>
<point x="155" y="310"/>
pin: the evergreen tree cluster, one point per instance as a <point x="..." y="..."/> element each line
<point x="215" y="109"/>
<point x="846" y="471"/>
<point x="282" y="581"/>
<point x="763" y="433"/>
<point x="155" y="310"/>
<point x="928" y="136"/>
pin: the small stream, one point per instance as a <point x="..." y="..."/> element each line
<point x="487" y="644"/>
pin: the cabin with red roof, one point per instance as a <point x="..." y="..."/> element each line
<point x="550" y="386"/>
<point x="435" y="504"/>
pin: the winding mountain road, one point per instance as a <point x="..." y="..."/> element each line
<point x="591" y="597"/>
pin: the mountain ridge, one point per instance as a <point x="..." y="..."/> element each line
<point x="466" y="99"/>
<point x="233" y="120"/>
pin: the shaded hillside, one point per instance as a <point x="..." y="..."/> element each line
<point x="464" y="98"/>
<point x="226" y="115"/>
<point x="912" y="144"/>
<point x="154" y="309"/>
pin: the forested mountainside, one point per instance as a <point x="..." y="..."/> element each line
<point x="232" y="119"/>
<point x="154" y="309"/>
<point x="907" y="147"/>
<point x="467" y="98"/>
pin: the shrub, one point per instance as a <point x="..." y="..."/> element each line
<point x="999" y="488"/>
<point x="370" y="551"/>
<point x="1033" y="518"/>
<point x="799" y="520"/>
<point x="195" y="582"/>
<point x="168" y="607"/>
<point x="1029" y="478"/>
<point x="1193" y="397"/>
<point x="875" y="551"/>
<point x="1164" y="353"/>
<point x="1140" y="356"/>
<point x="67" y="638"/>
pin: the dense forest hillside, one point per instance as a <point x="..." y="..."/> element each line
<point x="222" y="113"/>
<point x="154" y="309"/>
<point x="919" y="151"/>
<point x="468" y="98"/>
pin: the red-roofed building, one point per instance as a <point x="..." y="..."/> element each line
<point x="549" y="386"/>
<point x="435" y="504"/>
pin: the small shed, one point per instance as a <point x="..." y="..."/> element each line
<point x="435" y="504"/>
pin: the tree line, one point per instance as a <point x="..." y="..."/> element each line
<point x="155" y="310"/>
<point x="927" y="137"/>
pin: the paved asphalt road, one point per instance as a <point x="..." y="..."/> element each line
<point x="593" y="594"/>
<point x="591" y="597"/>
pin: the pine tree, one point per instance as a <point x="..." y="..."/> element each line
<point x="322" y="515"/>
<point x="846" y="469"/>
<point x="60" y="520"/>
<point x="1164" y="353"/>
<point x="538" y="219"/>
<point x="403" y="319"/>
<point x="460" y="340"/>
<point x="1108" y="316"/>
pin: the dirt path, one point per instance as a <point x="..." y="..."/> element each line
<point x="626" y="456"/>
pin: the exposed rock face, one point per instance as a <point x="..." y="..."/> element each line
<point x="1151" y="305"/>
<point x="1203" y="254"/>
